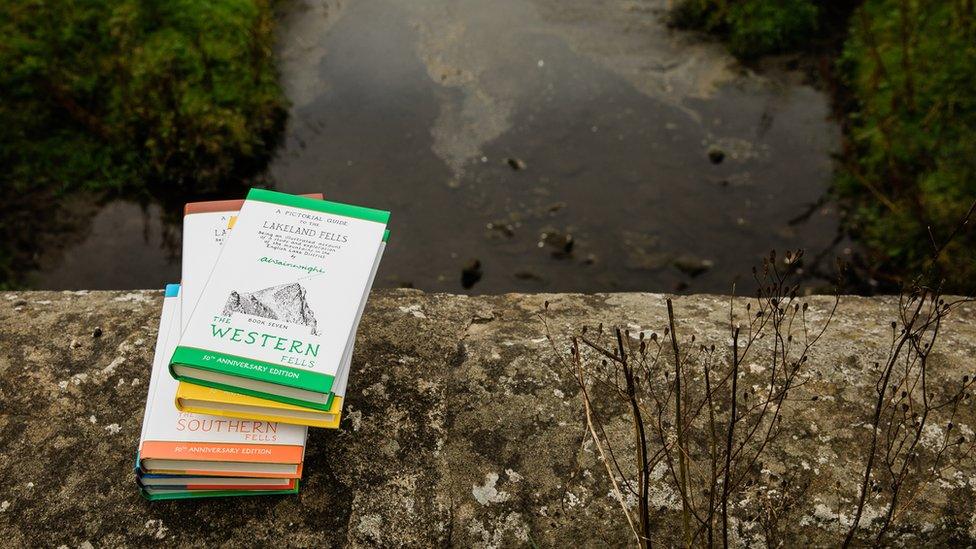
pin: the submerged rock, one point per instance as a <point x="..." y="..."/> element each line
<point x="502" y="227"/>
<point x="693" y="266"/>
<point x="527" y="275"/>
<point x="561" y="243"/>
<point x="642" y="252"/>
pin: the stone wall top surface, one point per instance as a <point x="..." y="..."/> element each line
<point x="460" y="427"/>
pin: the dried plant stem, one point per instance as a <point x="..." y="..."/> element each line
<point x="882" y="389"/>
<point x="640" y="440"/>
<point x="678" y="414"/>
<point x="713" y="456"/>
<point x="730" y="434"/>
<point x="679" y="425"/>
<point x="642" y="539"/>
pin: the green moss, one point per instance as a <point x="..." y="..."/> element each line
<point x="752" y="27"/>
<point x="761" y="27"/>
<point x="121" y="93"/>
<point x="911" y="68"/>
<point x="126" y="95"/>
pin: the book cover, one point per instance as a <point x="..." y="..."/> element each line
<point x="207" y="400"/>
<point x="177" y="442"/>
<point x="169" y="312"/>
<point x="276" y="318"/>
<point x="205" y="225"/>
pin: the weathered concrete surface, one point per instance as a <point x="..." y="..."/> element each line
<point x="461" y="428"/>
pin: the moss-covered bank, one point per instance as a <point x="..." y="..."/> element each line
<point x="752" y="27"/>
<point x="910" y="174"/>
<point x="908" y="75"/>
<point x="128" y="95"/>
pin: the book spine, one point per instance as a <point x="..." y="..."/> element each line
<point x="212" y="451"/>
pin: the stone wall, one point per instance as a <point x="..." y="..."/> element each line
<point x="461" y="427"/>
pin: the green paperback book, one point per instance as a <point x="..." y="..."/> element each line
<point x="278" y="315"/>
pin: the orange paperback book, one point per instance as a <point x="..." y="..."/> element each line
<point x="175" y="442"/>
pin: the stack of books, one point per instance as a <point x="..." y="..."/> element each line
<point x="256" y="344"/>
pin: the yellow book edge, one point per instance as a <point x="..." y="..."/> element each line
<point x="208" y="401"/>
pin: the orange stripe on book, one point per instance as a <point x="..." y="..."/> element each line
<point x="249" y="474"/>
<point x="221" y="451"/>
<point x="225" y="205"/>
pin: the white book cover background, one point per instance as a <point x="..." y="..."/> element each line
<point x="203" y="237"/>
<point x="163" y="422"/>
<point x="166" y="318"/>
<point x="316" y="282"/>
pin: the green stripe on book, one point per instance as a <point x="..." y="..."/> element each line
<point x="324" y="206"/>
<point x="317" y="406"/>
<point x="252" y="369"/>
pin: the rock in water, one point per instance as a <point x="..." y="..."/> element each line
<point x="471" y="274"/>
<point x="692" y="266"/>
<point x="716" y="156"/>
<point x="285" y="302"/>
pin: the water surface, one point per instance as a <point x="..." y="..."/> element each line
<point x="527" y="145"/>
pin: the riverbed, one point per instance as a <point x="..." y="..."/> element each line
<point x="526" y="145"/>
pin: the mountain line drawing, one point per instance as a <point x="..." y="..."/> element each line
<point x="285" y="302"/>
